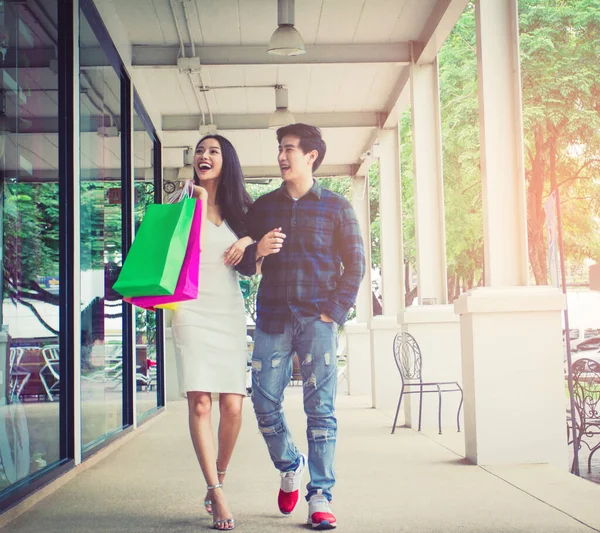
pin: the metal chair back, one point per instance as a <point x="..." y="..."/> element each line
<point x="15" y="356"/>
<point x="586" y="389"/>
<point x="51" y="355"/>
<point x="407" y="355"/>
<point x="586" y="394"/>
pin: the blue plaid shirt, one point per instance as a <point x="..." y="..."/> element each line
<point x="322" y="261"/>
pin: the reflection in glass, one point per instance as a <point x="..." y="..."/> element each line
<point x="101" y="242"/>
<point x="145" y="321"/>
<point x="29" y="310"/>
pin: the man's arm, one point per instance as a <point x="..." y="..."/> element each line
<point x="349" y="240"/>
<point x="267" y="244"/>
<point x="247" y="266"/>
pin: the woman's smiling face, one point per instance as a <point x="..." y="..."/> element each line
<point x="208" y="160"/>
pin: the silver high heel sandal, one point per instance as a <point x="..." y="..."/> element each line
<point x="207" y="502"/>
<point x="217" y="524"/>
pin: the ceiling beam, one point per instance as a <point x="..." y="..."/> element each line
<point x="48" y="125"/>
<point x="440" y="23"/>
<point x="398" y="100"/>
<point x="275" y="172"/>
<point x="149" y="56"/>
<point x="89" y="58"/>
<point x="261" y="121"/>
<point x="272" y="171"/>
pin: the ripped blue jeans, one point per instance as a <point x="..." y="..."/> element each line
<point x="316" y="345"/>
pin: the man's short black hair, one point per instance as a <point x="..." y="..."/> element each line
<point x="310" y="139"/>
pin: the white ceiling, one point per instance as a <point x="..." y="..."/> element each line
<point x="352" y="81"/>
<point x="251" y="22"/>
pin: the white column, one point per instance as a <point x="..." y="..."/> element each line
<point x="170" y="370"/>
<point x="390" y="214"/>
<point x="512" y="360"/>
<point x="358" y="338"/>
<point x="429" y="184"/>
<point x="435" y="326"/>
<point x="383" y="328"/>
<point x="501" y="123"/>
<point x="360" y="202"/>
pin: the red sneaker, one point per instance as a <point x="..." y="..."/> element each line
<point x="319" y="512"/>
<point x="290" y="487"/>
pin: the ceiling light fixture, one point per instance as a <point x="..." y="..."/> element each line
<point x="286" y="41"/>
<point x="281" y="116"/>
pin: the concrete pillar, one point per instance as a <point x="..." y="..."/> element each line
<point x="383" y="328"/>
<point x="390" y="214"/>
<point x="360" y="202"/>
<point x="435" y="326"/>
<point x="386" y="379"/>
<point x="171" y="383"/>
<point x="359" y="362"/>
<point x="512" y="361"/>
<point x="501" y="124"/>
<point x="429" y="185"/>
<point x="512" y="367"/>
<point x="358" y="338"/>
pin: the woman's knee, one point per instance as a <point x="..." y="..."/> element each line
<point x="231" y="406"/>
<point x="199" y="403"/>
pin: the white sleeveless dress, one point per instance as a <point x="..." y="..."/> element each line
<point x="210" y="333"/>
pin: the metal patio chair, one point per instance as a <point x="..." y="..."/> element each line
<point x="409" y="361"/>
<point x="50" y="372"/>
<point x="586" y="393"/>
<point x="18" y="376"/>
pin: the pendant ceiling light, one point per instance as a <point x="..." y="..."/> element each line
<point x="286" y="40"/>
<point x="281" y="116"/>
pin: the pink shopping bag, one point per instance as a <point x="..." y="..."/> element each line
<point x="187" y="283"/>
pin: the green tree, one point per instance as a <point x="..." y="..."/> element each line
<point x="560" y="46"/>
<point x="31" y="237"/>
<point x="462" y="175"/>
<point x="30" y="243"/>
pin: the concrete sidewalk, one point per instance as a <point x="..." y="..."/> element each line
<point x="407" y="482"/>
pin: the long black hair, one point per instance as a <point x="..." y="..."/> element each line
<point x="232" y="197"/>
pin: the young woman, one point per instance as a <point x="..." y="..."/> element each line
<point x="210" y="332"/>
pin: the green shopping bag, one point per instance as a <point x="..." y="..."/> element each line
<point x="154" y="261"/>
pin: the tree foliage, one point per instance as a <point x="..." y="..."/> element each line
<point x="460" y="137"/>
<point x="31" y="238"/>
<point x="560" y="46"/>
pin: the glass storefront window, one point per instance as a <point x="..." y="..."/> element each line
<point x="30" y="239"/>
<point x="145" y="321"/>
<point x="101" y="245"/>
<point x="36" y="215"/>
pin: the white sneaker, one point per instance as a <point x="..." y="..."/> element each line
<point x="319" y="512"/>
<point x="290" y="487"/>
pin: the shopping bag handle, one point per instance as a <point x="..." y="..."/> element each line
<point x="187" y="191"/>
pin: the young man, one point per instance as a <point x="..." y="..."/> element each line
<point x="312" y="265"/>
